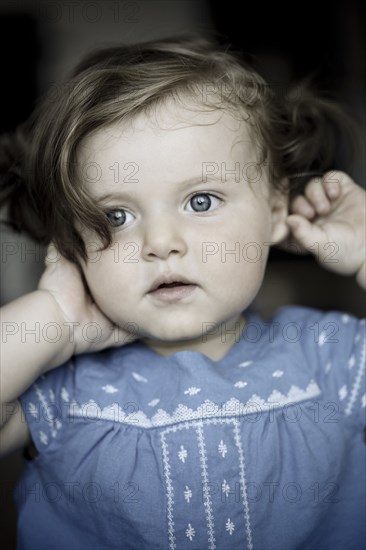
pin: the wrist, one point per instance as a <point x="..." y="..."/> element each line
<point x="53" y="320"/>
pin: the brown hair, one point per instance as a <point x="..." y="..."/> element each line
<point x="40" y="181"/>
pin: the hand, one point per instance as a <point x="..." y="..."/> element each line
<point x="329" y="221"/>
<point x="66" y="284"/>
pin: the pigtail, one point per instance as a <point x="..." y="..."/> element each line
<point x="315" y="135"/>
<point x="18" y="209"/>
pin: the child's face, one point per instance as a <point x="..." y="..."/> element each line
<point x="152" y="167"/>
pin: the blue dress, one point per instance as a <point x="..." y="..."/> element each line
<point x="262" y="450"/>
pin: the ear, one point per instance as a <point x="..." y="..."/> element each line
<point x="279" y="203"/>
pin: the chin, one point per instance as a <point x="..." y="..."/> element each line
<point x="174" y="334"/>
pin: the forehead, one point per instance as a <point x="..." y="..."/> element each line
<point x="170" y="141"/>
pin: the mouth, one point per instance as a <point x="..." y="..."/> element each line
<point x="171" y="287"/>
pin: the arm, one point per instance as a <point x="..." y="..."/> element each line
<point x="57" y="312"/>
<point x="24" y="357"/>
<point x="27" y="353"/>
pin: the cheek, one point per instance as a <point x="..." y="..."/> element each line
<point x="250" y="232"/>
<point x="99" y="276"/>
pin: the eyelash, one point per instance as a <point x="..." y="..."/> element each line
<point x="188" y="201"/>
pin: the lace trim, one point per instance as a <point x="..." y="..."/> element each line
<point x="208" y="409"/>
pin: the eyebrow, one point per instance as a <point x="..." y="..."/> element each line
<point x="183" y="184"/>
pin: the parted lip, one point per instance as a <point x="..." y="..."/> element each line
<point x="167" y="278"/>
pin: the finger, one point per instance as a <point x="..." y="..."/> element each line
<point x="332" y="184"/>
<point x="316" y="195"/>
<point x="306" y="233"/>
<point x="300" y="205"/>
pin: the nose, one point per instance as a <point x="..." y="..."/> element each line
<point x="163" y="236"/>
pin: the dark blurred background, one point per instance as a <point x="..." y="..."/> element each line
<point x="41" y="40"/>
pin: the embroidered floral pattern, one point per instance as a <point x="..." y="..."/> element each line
<point x="65" y="395"/>
<point x="230" y="526"/>
<point x="222" y="448"/>
<point x="139" y="377"/>
<point x="190" y="532"/>
<point x="225" y="488"/>
<point x="245" y="363"/>
<point x="33" y="409"/>
<point x="109" y="389"/>
<point x="187" y="494"/>
<point x="357" y="383"/>
<point x="182" y="454"/>
<point x="192" y="391"/>
<point x="343" y="392"/>
<point x="153" y="402"/>
<point x="43" y="437"/>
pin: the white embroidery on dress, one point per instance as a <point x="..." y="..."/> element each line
<point x="345" y="318"/>
<point x="169" y="492"/>
<point x="182" y="454"/>
<point x="357" y="384"/>
<point x="65" y="395"/>
<point x="190" y="532"/>
<point x="153" y="402"/>
<point x="240" y="384"/>
<point x="351" y="362"/>
<point x="192" y="391"/>
<point x="202" y="452"/>
<point x="47" y="414"/>
<point x="139" y="377"/>
<point x="206" y="488"/>
<point x="41" y="397"/>
<point x="277" y="373"/>
<point x="43" y="437"/>
<point x="222" y="448"/>
<point x="109" y="388"/>
<point x="187" y="494"/>
<point x="342" y="393"/>
<point x="33" y="410"/>
<point x="208" y="409"/>
<point x="243" y="485"/>
<point x="52" y="396"/>
<point x="225" y="488"/>
<point x="230" y="526"/>
<point x="322" y="338"/>
<point x="245" y="364"/>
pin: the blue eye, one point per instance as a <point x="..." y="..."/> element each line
<point x="117" y="217"/>
<point x="201" y="202"/>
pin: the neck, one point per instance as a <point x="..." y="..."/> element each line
<point x="214" y="345"/>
